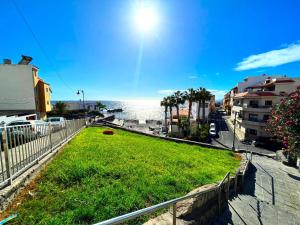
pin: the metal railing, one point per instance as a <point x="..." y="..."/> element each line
<point x="22" y="146"/>
<point x="141" y="212"/>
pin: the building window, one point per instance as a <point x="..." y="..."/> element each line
<point x="253" y="103"/>
<point x="266" y="117"/>
<point x="47" y="90"/>
<point x="47" y="102"/>
<point x="253" y="117"/>
<point x="252" y="131"/>
<point x="268" y="103"/>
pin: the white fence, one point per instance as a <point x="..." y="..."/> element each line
<point x="22" y="146"/>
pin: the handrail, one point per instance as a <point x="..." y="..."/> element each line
<point x="140" y="212"/>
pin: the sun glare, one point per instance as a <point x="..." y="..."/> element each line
<point x="145" y="18"/>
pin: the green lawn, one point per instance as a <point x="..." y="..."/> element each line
<point x="97" y="177"/>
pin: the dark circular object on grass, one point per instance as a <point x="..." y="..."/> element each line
<point x="108" y="132"/>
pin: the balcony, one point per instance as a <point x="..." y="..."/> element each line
<point x="255" y="121"/>
<point x="253" y="107"/>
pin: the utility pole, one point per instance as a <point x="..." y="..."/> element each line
<point x="233" y="142"/>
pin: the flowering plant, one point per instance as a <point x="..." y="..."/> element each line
<point x="284" y="122"/>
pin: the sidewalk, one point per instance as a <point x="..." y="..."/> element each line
<point x="238" y="134"/>
<point x="271" y="196"/>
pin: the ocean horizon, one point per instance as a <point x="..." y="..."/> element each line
<point x="132" y="109"/>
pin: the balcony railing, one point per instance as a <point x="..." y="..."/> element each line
<point x="253" y="106"/>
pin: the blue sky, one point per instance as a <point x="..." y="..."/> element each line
<point x="94" y="45"/>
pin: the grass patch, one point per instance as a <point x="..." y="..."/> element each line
<point x="97" y="177"/>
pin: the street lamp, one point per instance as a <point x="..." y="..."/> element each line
<point x="82" y="92"/>
<point x="234" y="122"/>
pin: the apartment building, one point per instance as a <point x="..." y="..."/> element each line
<point x="252" y="107"/>
<point x="22" y="91"/>
<point x="228" y="100"/>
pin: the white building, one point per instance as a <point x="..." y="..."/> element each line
<point x="21" y="90"/>
<point x="253" y="106"/>
<point x="79" y="105"/>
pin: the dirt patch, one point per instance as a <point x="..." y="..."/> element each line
<point x="25" y="193"/>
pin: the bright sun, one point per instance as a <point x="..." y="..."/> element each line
<point x="145" y="18"/>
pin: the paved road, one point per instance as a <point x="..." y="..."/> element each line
<point x="271" y="196"/>
<point x="225" y="137"/>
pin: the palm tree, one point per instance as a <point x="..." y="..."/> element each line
<point x="164" y="103"/>
<point x="60" y="107"/>
<point x="100" y="106"/>
<point x="178" y="99"/>
<point x="198" y="99"/>
<point x="190" y="96"/>
<point x="206" y="95"/>
<point x="170" y="103"/>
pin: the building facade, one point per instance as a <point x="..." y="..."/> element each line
<point x="22" y="91"/>
<point x="252" y="108"/>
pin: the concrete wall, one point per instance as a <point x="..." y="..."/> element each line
<point x="16" y="88"/>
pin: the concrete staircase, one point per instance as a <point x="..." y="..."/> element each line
<point x="271" y="196"/>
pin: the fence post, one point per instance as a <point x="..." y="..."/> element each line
<point x="50" y="136"/>
<point x="6" y="155"/>
<point x="228" y="187"/>
<point x="174" y="214"/>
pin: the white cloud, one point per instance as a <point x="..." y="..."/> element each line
<point x="289" y="54"/>
<point x="193" y="77"/>
<point x="165" y="92"/>
<point x="219" y="94"/>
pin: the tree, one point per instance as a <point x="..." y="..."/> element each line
<point x="100" y="106"/>
<point x="284" y="122"/>
<point x="206" y="95"/>
<point x="60" y="107"/>
<point x="190" y="96"/>
<point x="171" y="103"/>
<point x="178" y="100"/>
<point x="164" y="103"/>
<point x="198" y="98"/>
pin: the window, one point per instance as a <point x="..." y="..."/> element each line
<point x="47" y="90"/>
<point x="266" y="117"/>
<point x="252" y="131"/>
<point x="282" y="93"/>
<point x="253" y="103"/>
<point x="268" y="103"/>
<point x="47" y="102"/>
<point x="253" y="116"/>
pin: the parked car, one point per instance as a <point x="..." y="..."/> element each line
<point x="57" y="123"/>
<point x="246" y="142"/>
<point x="212" y="132"/>
<point x="39" y="127"/>
<point x="268" y="143"/>
<point x="18" y="132"/>
<point x="212" y="125"/>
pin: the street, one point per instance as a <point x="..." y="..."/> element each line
<point x="224" y="136"/>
